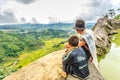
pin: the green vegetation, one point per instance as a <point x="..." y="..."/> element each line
<point x="101" y="57"/>
<point x="11" y="45"/>
<point x="117" y="17"/>
<point x="19" y="48"/>
<point x="116" y="38"/>
<point x="28" y="57"/>
<point x="49" y="47"/>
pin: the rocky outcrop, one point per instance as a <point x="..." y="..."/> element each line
<point x="114" y="23"/>
<point x="46" y="67"/>
<point x="103" y="30"/>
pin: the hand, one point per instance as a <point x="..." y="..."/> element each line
<point x="90" y="59"/>
<point x="66" y="45"/>
<point x="62" y="73"/>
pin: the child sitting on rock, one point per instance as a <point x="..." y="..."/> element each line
<point x="74" y="60"/>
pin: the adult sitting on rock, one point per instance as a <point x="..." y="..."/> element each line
<point x="87" y="41"/>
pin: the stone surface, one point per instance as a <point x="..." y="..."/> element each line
<point x="44" y="68"/>
<point x="103" y="30"/>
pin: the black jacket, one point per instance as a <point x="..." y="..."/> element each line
<point x="75" y="62"/>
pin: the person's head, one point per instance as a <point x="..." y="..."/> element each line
<point x="73" y="41"/>
<point x="79" y="25"/>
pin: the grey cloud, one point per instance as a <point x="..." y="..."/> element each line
<point x="53" y="19"/>
<point x="118" y="9"/>
<point x="23" y="19"/>
<point x="25" y="1"/>
<point x="7" y="17"/>
<point x="96" y="3"/>
<point x="34" y="20"/>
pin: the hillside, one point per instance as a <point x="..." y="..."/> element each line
<point x="40" y="69"/>
<point x="45" y="68"/>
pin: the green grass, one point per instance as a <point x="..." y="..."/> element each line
<point x="116" y="38"/>
<point x="101" y="57"/>
<point x="27" y="58"/>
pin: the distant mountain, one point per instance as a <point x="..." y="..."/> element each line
<point x="29" y="26"/>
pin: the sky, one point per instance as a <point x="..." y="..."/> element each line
<point x="52" y="11"/>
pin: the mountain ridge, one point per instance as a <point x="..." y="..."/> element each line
<point x="40" y="26"/>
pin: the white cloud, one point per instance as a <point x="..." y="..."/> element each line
<point x="115" y="2"/>
<point x="58" y="10"/>
<point x="3" y="2"/>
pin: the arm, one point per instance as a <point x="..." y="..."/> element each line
<point x="67" y="59"/>
<point x="83" y="43"/>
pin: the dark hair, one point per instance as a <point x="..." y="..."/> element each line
<point x="73" y="41"/>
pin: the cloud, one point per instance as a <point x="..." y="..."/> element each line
<point x="8" y="17"/>
<point x="89" y="10"/>
<point x="101" y="6"/>
<point x="3" y="2"/>
<point x="118" y="9"/>
<point x="25" y="1"/>
<point x="23" y="20"/>
<point x="33" y="20"/>
<point x="95" y="9"/>
<point x="53" y="19"/>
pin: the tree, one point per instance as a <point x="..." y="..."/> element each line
<point x="111" y="13"/>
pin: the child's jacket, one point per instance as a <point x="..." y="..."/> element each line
<point x="75" y="63"/>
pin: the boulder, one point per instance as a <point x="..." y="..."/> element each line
<point x="103" y="30"/>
